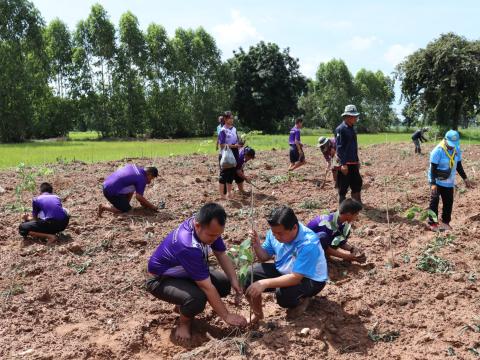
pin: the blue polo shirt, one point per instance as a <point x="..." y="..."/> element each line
<point x="347" y="147"/>
<point x="439" y="157"/>
<point x="304" y="255"/>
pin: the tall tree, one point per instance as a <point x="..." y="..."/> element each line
<point x="445" y="78"/>
<point x="267" y="85"/>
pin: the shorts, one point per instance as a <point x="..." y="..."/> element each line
<point x="352" y="180"/>
<point x="120" y="202"/>
<point x="295" y="156"/>
<point x="50" y="226"/>
<point x="228" y="176"/>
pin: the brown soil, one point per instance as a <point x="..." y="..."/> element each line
<point x="84" y="299"/>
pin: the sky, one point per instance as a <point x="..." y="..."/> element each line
<point x="375" y="35"/>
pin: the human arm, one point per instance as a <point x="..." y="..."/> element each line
<point x="227" y="266"/>
<point x="145" y="203"/>
<point x="258" y="287"/>
<point x="463" y="175"/>
<point x="261" y="253"/>
<point x="213" y="298"/>
<point x="350" y="256"/>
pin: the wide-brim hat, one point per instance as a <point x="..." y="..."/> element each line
<point x="322" y="141"/>
<point x="452" y="137"/>
<point x="350" y="110"/>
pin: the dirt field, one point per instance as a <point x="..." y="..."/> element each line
<point x="84" y="299"/>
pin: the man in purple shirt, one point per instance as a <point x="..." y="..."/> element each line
<point x="182" y="275"/>
<point x="333" y="231"/>
<point x="297" y="157"/>
<point x="120" y="186"/>
<point x="48" y="216"/>
<point x="246" y="154"/>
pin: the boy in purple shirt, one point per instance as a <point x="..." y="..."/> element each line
<point x="297" y="157"/>
<point x="333" y="231"/>
<point x="246" y="154"/>
<point x="48" y="216"/>
<point x="329" y="151"/>
<point x="120" y="186"/>
<point x="182" y="275"/>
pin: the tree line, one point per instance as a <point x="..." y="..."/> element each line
<point x="125" y="82"/>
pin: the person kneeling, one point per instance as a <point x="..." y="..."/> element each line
<point x="48" y="216"/>
<point x="182" y="275"/>
<point x="334" y="229"/>
<point x="300" y="268"/>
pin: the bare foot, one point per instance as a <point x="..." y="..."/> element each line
<point x="100" y="211"/>
<point x="256" y="318"/>
<point x="297" y="311"/>
<point x="52" y="239"/>
<point x="183" y="331"/>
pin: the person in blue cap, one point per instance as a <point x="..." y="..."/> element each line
<point x="445" y="162"/>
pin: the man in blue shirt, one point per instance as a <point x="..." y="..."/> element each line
<point x="445" y="161"/>
<point x="347" y="153"/>
<point x="300" y="268"/>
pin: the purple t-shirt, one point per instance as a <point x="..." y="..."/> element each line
<point x="294" y="135"/>
<point x="228" y="136"/>
<point x="48" y="207"/>
<point x="241" y="159"/>
<point x="183" y="255"/>
<point x="126" y="180"/>
<point x="326" y="235"/>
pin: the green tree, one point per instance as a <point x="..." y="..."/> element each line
<point x="445" y="78"/>
<point x="23" y="68"/>
<point x="267" y="85"/>
<point x="375" y="95"/>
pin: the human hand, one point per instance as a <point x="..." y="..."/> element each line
<point x="434" y="189"/>
<point x="468" y="183"/>
<point x="235" y="320"/>
<point x="344" y="169"/>
<point x="255" y="239"/>
<point x="255" y="290"/>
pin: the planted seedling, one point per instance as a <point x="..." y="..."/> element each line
<point x="80" y="268"/>
<point x="422" y="214"/>
<point x="310" y="204"/>
<point x="387" y="336"/>
<point x="243" y="258"/>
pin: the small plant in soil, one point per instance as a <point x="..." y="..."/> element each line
<point x="387" y="336"/>
<point x="12" y="291"/>
<point x="278" y="179"/>
<point x="80" y="268"/>
<point x="422" y="214"/>
<point x="243" y="258"/>
<point x="310" y="204"/>
<point x="432" y="264"/>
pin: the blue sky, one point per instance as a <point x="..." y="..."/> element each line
<point x="375" y="35"/>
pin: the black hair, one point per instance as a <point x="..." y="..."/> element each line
<point x="211" y="211"/>
<point x="249" y="151"/>
<point x="153" y="171"/>
<point x="227" y="114"/>
<point x="282" y="215"/>
<point x="46" y="187"/>
<point x="298" y="120"/>
<point x="350" y="206"/>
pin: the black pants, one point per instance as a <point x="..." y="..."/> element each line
<point x="446" y="194"/>
<point x="288" y="297"/>
<point x="418" y="150"/>
<point x="352" y="180"/>
<point x="185" y="292"/>
<point x="43" y="226"/>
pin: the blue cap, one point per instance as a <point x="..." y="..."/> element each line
<point x="453" y="138"/>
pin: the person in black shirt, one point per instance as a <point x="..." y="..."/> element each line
<point x="417" y="138"/>
<point x="347" y="153"/>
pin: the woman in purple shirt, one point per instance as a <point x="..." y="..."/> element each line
<point x="48" y="216"/>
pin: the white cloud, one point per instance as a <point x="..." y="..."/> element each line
<point x="362" y="43"/>
<point x="309" y="65"/>
<point x="236" y="33"/>
<point x="396" y="53"/>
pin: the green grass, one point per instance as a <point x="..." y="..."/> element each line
<point x="81" y="147"/>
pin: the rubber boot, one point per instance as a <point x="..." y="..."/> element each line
<point x="357" y="196"/>
<point x="341" y="198"/>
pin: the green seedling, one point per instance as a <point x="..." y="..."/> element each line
<point x="333" y="226"/>
<point x="243" y="257"/>
<point x="422" y="214"/>
<point x="433" y="264"/>
<point x="278" y="179"/>
<point x="310" y="204"/>
<point x="12" y="291"/>
<point x="80" y="268"/>
<point x="387" y="336"/>
<point x="450" y="351"/>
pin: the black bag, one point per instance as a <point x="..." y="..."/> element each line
<point x="443" y="174"/>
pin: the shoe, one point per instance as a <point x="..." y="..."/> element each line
<point x="297" y="311"/>
<point x="445" y="227"/>
<point x="434" y="227"/>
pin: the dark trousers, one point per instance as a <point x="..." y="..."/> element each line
<point x="352" y="180"/>
<point x="446" y="194"/>
<point x="43" y="226"/>
<point x="288" y="297"/>
<point x="185" y="292"/>
<point x="418" y="150"/>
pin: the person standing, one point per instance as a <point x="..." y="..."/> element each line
<point x="297" y="156"/>
<point x="347" y="153"/>
<point x="228" y="138"/>
<point x="221" y="122"/>
<point x="445" y="161"/>
<point x="417" y="138"/>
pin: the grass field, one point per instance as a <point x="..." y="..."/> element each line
<point x="82" y="146"/>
